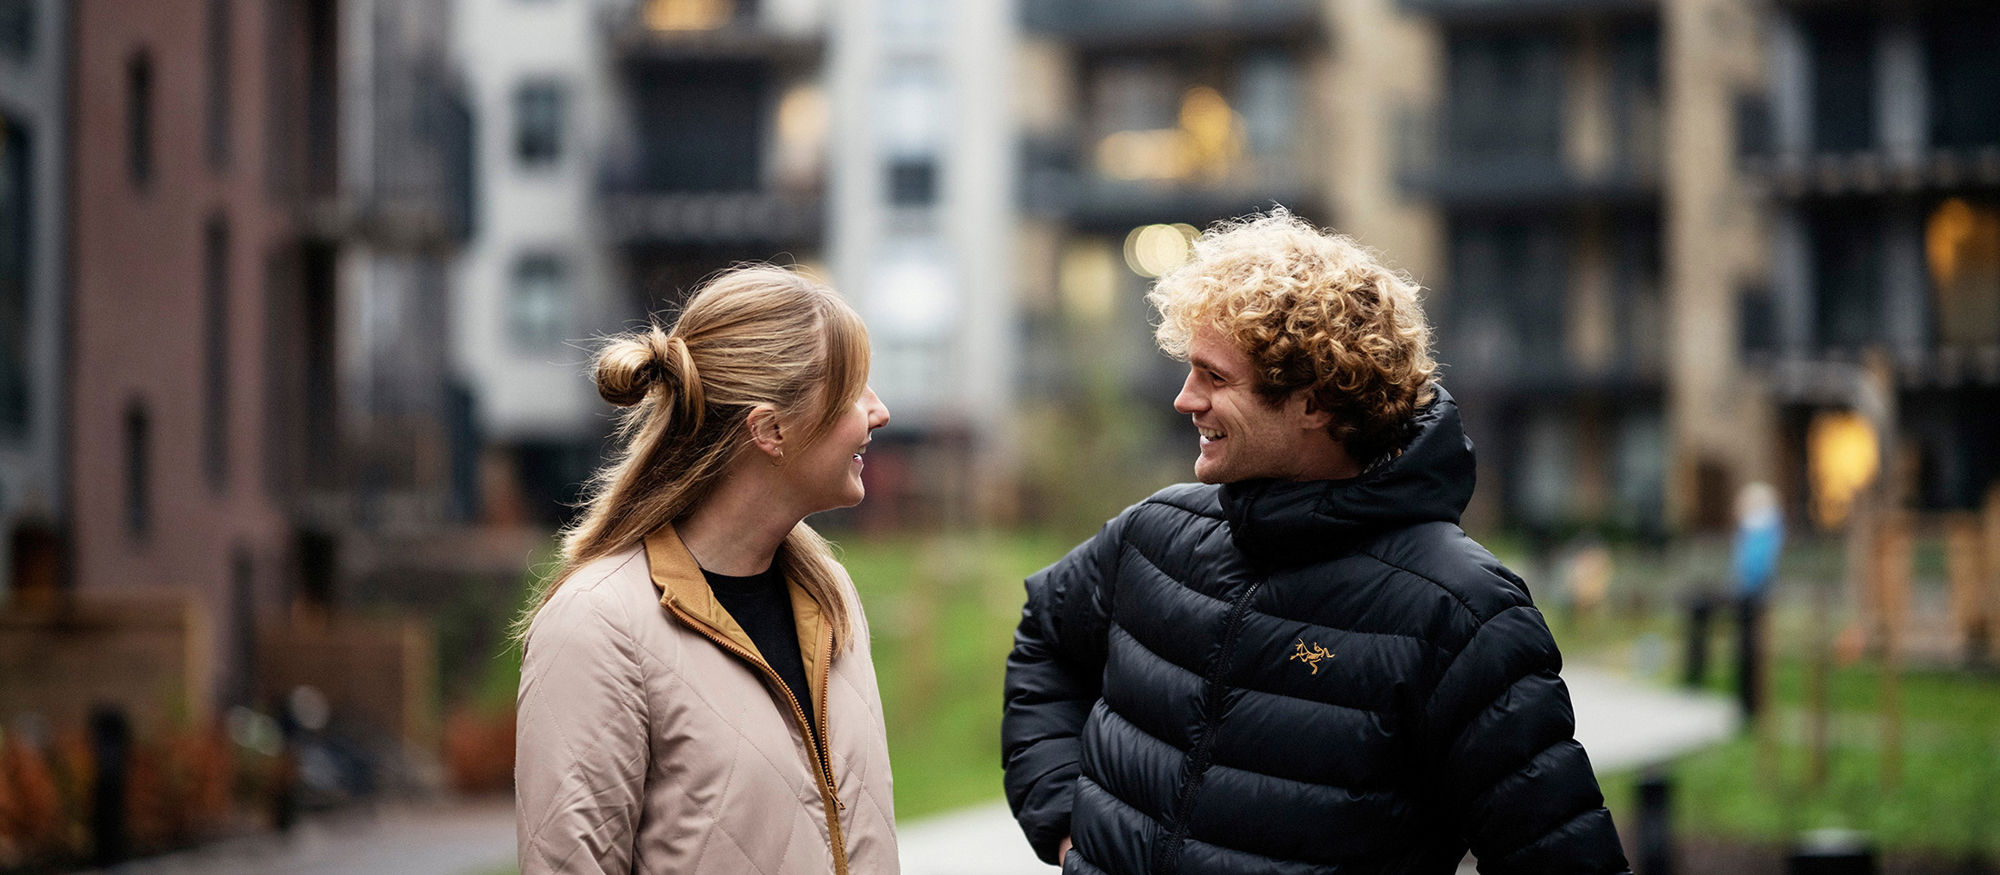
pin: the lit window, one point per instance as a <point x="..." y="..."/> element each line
<point x="1962" y="243"/>
<point x="538" y="123"/>
<point x="675" y="15"/>
<point x="538" y="309"/>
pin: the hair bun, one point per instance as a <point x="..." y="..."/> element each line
<point x="631" y="365"/>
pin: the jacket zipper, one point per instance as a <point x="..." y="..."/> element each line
<point x="1167" y="855"/>
<point x="822" y="763"/>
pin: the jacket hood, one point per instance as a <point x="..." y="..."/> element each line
<point x="1285" y="522"/>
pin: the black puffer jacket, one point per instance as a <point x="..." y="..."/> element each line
<point x="1298" y="677"/>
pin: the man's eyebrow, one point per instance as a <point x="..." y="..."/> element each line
<point x="1207" y="365"/>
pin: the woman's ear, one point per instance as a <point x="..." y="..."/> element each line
<point x="767" y="432"/>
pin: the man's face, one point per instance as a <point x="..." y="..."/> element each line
<point x="1243" y="435"/>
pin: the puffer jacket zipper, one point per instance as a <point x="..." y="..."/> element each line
<point x="1167" y="854"/>
<point x="829" y="798"/>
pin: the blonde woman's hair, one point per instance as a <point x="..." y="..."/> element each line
<point x="1313" y="310"/>
<point x="756" y="334"/>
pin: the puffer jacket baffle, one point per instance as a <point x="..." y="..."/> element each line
<point x="1299" y="677"/>
<point x="652" y="738"/>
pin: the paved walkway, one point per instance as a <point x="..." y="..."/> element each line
<point x="1621" y="723"/>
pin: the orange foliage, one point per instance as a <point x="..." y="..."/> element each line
<point x="479" y="751"/>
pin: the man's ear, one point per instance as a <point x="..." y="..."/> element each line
<point x="767" y="433"/>
<point x="1306" y="412"/>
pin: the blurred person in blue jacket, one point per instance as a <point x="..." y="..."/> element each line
<point x="1759" y="539"/>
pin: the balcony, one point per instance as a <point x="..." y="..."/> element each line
<point x="1164" y="23"/>
<point x="712" y="218"/>
<point x="1057" y="181"/>
<point x="1797" y="177"/>
<point x="1471" y="173"/>
<point x="1524" y="11"/>
<point x="1526" y="182"/>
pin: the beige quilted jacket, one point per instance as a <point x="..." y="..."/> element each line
<point x="652" y="737"/>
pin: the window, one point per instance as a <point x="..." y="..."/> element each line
<point x="1510" y="286"/>
<point x="1964" y="71"/>
<point x="15" y="164"/>
<point x="1757" y="322"/>
<point x="701" y="127"/>
<point x="913" y="113"/>
<point x="1635" y="99"/>
<point x="17" y="28"/>
<point x="538" y="309"/>
<point x="912" y="182"/>
<point x="220" y="57"/>
<point x="1505" y="98"/>
<point x="1847" y="265"/>
<point x="1962" y="247"/>
<point x="1842" y="53"/>
<point x="139" y="118"/>
<point x="138" y="470"/>
<point x="538" y="123"/>
<point x="215" y="358"/>
<point x="1267" y="91"/>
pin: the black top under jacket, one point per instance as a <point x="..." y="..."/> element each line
<point x="762" y="605"/>
<point x="1299" y="677"/>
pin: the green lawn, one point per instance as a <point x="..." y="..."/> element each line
<point x="1945" y="801"/>
<point x="942" y="611"/>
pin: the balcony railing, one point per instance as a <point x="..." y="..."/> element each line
<point x="1141" y="22"/>
<point x="1057" y="180"/>
<point x="1795" y="176"/>
<point x="706" y="218"/>
<point x="1458" y="177"/>
<point x="1498" y="11"/>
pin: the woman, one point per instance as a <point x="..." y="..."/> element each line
<point x="696" y="691"/>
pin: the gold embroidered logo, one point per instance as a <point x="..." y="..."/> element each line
<point x="1309" y="655"/>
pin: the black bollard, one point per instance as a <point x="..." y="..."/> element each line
<point x="1655" y="830"/>
<point x="1832" y="852"/>
<point x="111" y="748"/>
<point x="1749" y="654"/>
<point x="1701" y="610"/>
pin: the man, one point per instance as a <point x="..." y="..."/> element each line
<point x="1300" y="664"/>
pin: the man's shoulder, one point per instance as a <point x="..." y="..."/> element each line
<point x="1200" y="499"/>
<point x="1442" y="555"/>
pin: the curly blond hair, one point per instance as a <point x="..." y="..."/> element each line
<point x="1314" y="311"/>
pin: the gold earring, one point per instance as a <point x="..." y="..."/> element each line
<point x="780" y="460"/>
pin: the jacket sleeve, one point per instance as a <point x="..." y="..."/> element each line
<point x="580" y="740"/>
<point x="1054" y="676"/>
<point x="1510" y="773"/>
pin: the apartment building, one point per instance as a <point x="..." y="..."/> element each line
<point x="187" y="244"/>
<point x="921" y="206"/>
<point x="1542" y="158"/>
<point x="1875" y="149"/>
<point x="539" y="278"/>
<point x="1139" y="124"/>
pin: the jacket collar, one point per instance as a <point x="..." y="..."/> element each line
<point x="1283" y="522"/>
<point x="685" y="593"/>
